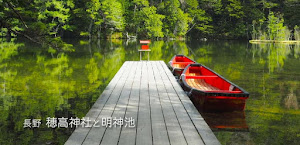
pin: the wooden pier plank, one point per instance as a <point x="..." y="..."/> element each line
<point x="188" y="128"/>
<point x="80" y="133"/>
<point x="144" y="132"/>
<point x="112" y="134"/>
<point x="173" y="127"/>
<point x="202" y="127"/>
<point x="149" y="93"/>
<point x="128" y="135"/>
<point x="159" y="129"/>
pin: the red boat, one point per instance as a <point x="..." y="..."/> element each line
<point x="211" y="91"/>
<point x="178" y="63"/>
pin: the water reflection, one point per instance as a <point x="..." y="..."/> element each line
<point x="226" y="121"/>
<point x="270" y="72"/>
<point x="271" y="54"/>
<point x="291" y="101"/>
<point x="37" y="84"/>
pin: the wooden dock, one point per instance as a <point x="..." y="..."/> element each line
<point x="148" y="92"/>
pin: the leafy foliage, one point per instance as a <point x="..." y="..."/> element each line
<point x="153" y="22"/>
<point x="274" y="29"/>
<point x="41" y="20"/>
<point x="113" y="14"/>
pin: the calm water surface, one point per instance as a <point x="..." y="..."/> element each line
<point x="35" y="83"/>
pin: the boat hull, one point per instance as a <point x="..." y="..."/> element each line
<point x="218" y="103"/>
<point x="177" y="72"/>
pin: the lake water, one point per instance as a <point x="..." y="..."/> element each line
<point x="35" y="84"/>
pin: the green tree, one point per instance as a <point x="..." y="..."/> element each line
<point x="272" y="25"/>
<point x="112" y="15"/>
<point x="40" y="21"/>
<point x="276" y="28"/>
<point x="94" y="13"/>
<point x="146" y="21"/>
<point x="235" y="9"/>
<point x="176" y="21"/>
<point x="200" y="19"/>
<point x="290" y="10"/>
<point x="152" y="21"/>
<point x="54" y="14"/>
<point x="46" y="22"/>
<point x="297" y="33"/>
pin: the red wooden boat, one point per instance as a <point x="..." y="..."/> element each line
<point x="212" y="91"/>
<point x="178" y="63"/>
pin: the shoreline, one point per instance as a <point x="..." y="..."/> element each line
<point x="273" y="41"/>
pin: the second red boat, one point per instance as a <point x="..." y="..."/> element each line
<point x="178" y="63"/>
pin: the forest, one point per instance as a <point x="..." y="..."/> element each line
<point x="48" y="21"/>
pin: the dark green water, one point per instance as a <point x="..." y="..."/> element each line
<point x="37" y="84"/>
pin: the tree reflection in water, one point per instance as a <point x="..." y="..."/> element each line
<point x="36" y="84"/>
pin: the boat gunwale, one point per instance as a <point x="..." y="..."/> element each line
<point x="184" y="81"/>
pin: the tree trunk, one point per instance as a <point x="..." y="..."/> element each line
<point x="175" y="31"/>
<point x="56" y="30"/>
<point x="99" y="31"/>
<point x="8" y="34"/>
<point x="134" y="19"/>
<point x="90" y="28"/>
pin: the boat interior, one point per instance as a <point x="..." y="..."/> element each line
<point x="203" y="79"/>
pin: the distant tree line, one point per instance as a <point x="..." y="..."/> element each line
<point x="47" y="21"/>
